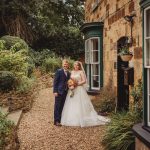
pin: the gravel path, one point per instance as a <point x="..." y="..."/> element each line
<point x="37" y="132"/>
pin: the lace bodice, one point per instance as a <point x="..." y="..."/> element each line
<point x="76" y="75"/>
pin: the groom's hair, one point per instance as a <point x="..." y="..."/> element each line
<point x="65" y="61"/>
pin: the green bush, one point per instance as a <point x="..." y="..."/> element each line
<point x="71" y="62"/>
<point x="119" y="135"/>
<point x="25" y="84"/>
<point x="7" y="80"/>
<point x="15" y="42"/>
<point x="18" y="64"/>
<point x="14" y="62"/>
<point x="39" y="57"/>
<point x="15" y="58"/>
<point x="137" y="94"/>
<point x="107" y="104"/>
<point x="6" y="128"/>
<point x="51" y="64"/>
<point x="2" y="45"/>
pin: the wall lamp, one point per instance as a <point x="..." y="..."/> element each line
<point x="130" y="20"/>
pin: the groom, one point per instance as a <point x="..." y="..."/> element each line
<point x="60" y="90"/>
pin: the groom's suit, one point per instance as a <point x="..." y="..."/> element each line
<point x="60" y="87"/>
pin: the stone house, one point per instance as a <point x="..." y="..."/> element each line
<point x="109" y="27"/>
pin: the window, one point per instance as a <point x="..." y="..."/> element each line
<point x="147" y="56"/>
<point x="147" y="37"/>
<point x="92" y="59"/>
<point x="148" y="96"/>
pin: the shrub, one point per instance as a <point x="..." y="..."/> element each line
<point x="39" y="57"/>
<point x="16" y="42"/>
<point x="17" y="64"/>
<point x="71" y="62"/>
<point x="7" y="80"/>
<point x="2" y="45"/>
<point x="119" y="135"/>
<point x="14" y="62"/>
<point x="25" y="84"/>
<point x="15" y="58"/>
<point x="137" y="94"/>
<point x="51" y="64"/>
<point x="6" y="128"/>
<point x="105" y="102"/>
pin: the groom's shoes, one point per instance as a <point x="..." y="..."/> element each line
<point x="57" y="124"/>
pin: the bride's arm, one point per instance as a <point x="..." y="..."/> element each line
<point x="83" y="79"/>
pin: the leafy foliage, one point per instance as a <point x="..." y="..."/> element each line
<point x="12" y="42"/>
<point x="105" y="102"/>
<point x="125" y="51"/>
<point x="38" y="57"/>
<point x="137" y="91"/>
<point x="2" y="44"/>
<point x="17" y="62"/>
<point x="45" y="24"/>
<point x="107" y="105"/>
<point x="14" y="62"/>
<point x="6" y="127"/>
<point x="119" y="135"/>
<point x="51" y="64"/>
<point x="7" y="80"/>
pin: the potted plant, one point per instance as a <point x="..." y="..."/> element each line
<point x="125" y="54"/>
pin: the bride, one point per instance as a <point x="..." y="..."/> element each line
<point x="78" y="109"/>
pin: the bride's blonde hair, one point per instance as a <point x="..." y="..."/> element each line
<point x="79" y="64"/>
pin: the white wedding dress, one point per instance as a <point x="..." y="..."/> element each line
<point x="78" y="109"/>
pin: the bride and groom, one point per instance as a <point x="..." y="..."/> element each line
<point x="76" y="110"/>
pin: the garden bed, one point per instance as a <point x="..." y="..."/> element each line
<point x="16" y="100"/>
<point x="8" y="134"/>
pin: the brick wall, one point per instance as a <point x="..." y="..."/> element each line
<point x="115" y="27"/>
<point x="140" y="145"/>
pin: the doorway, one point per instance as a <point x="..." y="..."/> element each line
<point x="122" y="90"/>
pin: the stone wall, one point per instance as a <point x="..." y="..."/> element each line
<point x="115" y="27"/>
<point x="140" y="146"/>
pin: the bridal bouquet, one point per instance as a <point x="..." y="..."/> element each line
<point x="72" y="84"/>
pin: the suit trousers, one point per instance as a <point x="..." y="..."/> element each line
<point x="58" y="107"/>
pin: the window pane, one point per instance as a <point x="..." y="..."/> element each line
<point x="95" y="76"/>
<point x="148" y="23"/>
<point x="88" y="73"/>
<point x="148" y="96"/>
<point x="149" y="110"/>
<point x="148" y="52"/>
<point x="95" y="80"/>
<point x="95" y="69"/>
<point x="95" y="56"/>
<point x="94" y="44"/>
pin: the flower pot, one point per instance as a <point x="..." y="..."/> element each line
<point x="127" y="57"/>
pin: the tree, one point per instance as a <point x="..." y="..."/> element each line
<point x="55" y="25"/>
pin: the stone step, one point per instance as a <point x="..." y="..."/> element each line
<point x="15" y="116"/>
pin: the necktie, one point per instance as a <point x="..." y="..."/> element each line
<point x="65" y="72"/>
